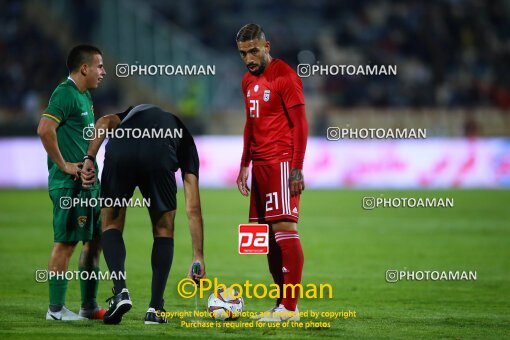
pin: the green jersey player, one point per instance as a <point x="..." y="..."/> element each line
<point x="63" y="131"/>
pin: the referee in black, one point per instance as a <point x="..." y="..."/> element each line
<point x="149" y="161"/>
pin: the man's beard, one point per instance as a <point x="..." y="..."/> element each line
<point x="260" y="69"/>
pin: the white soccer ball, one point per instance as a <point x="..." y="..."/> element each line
<point x="225" y="305"/>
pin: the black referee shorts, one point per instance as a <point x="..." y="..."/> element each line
<point x="149" y="164"/>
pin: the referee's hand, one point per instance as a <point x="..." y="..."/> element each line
<point x="88" y="174"/>
<point x="201" y="274"/>
<point x="242" y="180"/>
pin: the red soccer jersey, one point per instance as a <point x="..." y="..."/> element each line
<point x="269" y="133"/>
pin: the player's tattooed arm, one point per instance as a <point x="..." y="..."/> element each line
<point x="296" y="182"/>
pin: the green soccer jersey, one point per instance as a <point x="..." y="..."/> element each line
<point x="73" y="111"/>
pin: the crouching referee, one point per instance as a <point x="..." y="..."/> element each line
<point x="146" y="147"/>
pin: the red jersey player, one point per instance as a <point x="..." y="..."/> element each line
<point x="275" y="137"/>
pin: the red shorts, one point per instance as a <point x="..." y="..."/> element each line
<point x="270" y="198"/>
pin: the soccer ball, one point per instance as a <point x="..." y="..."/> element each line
<point x="225" y="305"/>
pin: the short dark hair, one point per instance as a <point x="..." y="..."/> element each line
<point x="250" y="32"/>
<point x="79" y="55"/>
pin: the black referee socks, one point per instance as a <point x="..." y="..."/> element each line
<point x="114" y="252"/>
<point x="162" y="256"/>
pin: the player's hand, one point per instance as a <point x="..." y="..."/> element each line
<point x="88" y="174"/>
<point x="296" y="182"/>
<point x="201" y="274"/>
<point x="73" y="169"/>
<point x="242" y="181"/>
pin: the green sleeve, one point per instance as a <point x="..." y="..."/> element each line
<point x="60" y="105"/>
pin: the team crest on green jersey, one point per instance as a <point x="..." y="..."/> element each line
<point x="82" y="220"/>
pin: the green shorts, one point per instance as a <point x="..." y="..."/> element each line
<point x="78" y="221"/>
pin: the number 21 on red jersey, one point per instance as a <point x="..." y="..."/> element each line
<point x="254" y="108"/>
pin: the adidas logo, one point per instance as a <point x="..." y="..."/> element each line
<point x="285" y="270"/>
<point x="294" y="211"/>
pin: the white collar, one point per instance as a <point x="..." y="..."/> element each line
<point x="71" y="79"/>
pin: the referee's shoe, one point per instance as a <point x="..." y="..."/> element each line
<point x="120" y="304"/>
<point x="154" y="317"/>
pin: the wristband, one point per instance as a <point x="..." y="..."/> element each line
<point x="92" y="158"/>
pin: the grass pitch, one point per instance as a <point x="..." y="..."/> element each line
<point x="344" y="245"/>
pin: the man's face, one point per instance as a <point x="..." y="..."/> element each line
<point x="94" y="71"/>
<point x="255" y="54"/>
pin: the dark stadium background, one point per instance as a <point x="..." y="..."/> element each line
<point x="453" y="80"/>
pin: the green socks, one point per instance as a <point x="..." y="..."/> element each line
<point x="88" y="288"/>
<point x="58" y="289"/>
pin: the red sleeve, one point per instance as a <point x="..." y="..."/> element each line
<point x="291" y="89"/>
<point x="297" y="116"/>
<point x="246" y="157"/>
<point x="291" y="92"/>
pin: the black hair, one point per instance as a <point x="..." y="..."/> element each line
<point x="79" y="55"/>
<point x="250" y="32"/>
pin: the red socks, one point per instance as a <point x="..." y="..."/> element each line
<point x="292" y="264"/>
<point x="274" y="260"/>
